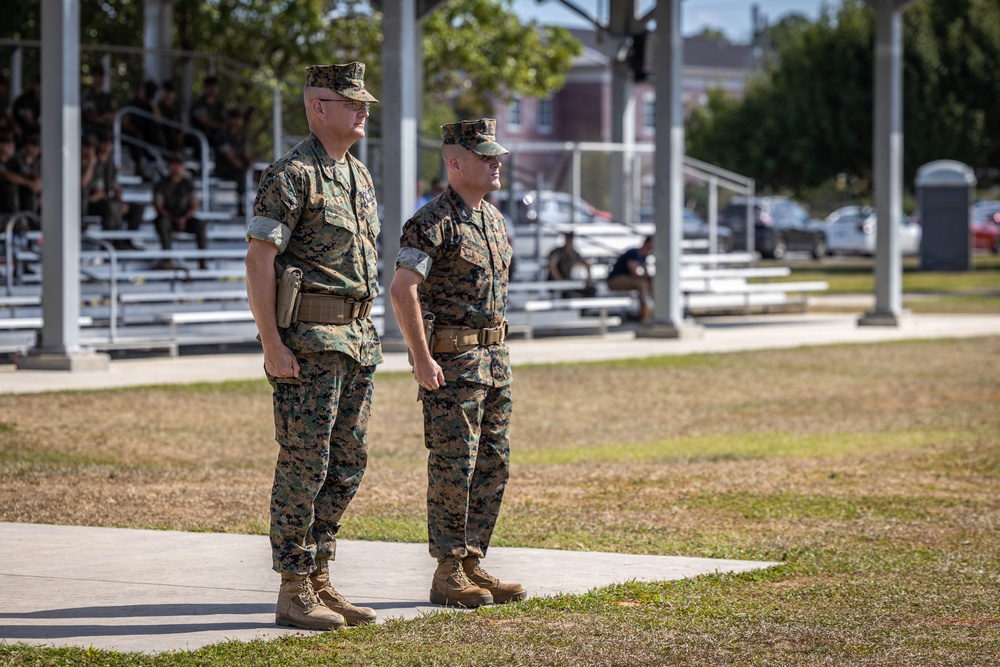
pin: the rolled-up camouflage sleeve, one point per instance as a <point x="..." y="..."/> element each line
<point x="419" y="244"/>
<point x="415" y="260"/>
<point x="276" y="209"/>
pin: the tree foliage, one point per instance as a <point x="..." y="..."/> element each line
<point x="809" y="118"/>
<point x="474" y="50"/>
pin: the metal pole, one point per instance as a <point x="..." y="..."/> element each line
<point x="399" y="129"/>
<point x="668" y="197"/>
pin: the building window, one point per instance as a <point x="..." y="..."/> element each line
<point x="649" y="113"/>
<point x="545" y="115"/>
<point x="514" y="113"/>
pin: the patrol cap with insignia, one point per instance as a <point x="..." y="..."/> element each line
<point x="348" y="80"/>
<point x="479" y="136"/>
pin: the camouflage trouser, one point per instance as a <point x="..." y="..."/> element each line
<point x="320" y="424"/>
<point x="467" y="434"/>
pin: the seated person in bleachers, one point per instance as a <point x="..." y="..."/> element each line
<point x="27" y="112"/>
<point x="108" y="173"/>
<point x="208" y="113"/>
<point x="27" y="164"/>
<point x="564" y="261"/>
<point x="176" y="200"/>
<point x="97" y="106"/>
<point x="170" y="109"/>
<point x="630" y="273"/>
<point x="95" y="200"/>
<point x="9" y="199"/>
<point x="232" y="153"/>
<point x="145" y="129"/>
<point x="15" y="186"/>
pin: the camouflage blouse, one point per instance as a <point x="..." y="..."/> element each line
<point x="305" y="208"/>
<point x="463" y="256"/>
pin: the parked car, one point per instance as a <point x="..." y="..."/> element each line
<point x="780" y="224"/>
<point x="984" y="225"/>
<point x="549" y="207"/>
<point x="851" y="230"/>
<point x="695" y="229"/>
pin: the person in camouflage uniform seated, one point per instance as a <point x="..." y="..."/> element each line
<point x="453" y="265"/>
<point x="315" y="211"/>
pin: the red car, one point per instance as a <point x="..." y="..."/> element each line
<point x="984" y="223"/>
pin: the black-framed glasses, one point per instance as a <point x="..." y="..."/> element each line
<point x="355" y="104"/>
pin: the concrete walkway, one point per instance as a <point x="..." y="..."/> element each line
<point x="721" y="334"/>
<point x="150" y="591"/>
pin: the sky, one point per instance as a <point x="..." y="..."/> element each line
<point x="730" y="16"/>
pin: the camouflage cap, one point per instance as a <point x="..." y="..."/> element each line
<point x="348" y="80"/>
<point x="479" y="136"/>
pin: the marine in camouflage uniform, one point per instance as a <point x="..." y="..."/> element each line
<point x="315" y="211"/>
<point x="453" y="263"/>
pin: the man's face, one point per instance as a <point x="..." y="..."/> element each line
<point x="341" y="118"/>
<point x="482" y="172"/>
<point x="6" y="149"/>
<point x="176" y="170"/>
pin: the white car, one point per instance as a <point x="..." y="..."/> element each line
<point x="851" y="231"/>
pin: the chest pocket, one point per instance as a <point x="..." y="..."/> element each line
<point x="476" y="254"/>
<point x="336" y="211"/>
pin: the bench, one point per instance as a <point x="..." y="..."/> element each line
<point x="749" y="295"/>
<point x="178" y="319"/>
<point x="601" y="304"/>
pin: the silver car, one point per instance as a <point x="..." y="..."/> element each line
<point x="851" y="231"/>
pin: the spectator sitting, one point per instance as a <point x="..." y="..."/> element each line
<point x="631" y="273"/>
<point x="176" y="201"/>
<point x="170" y="110"/>
<point x="145" y="129"/>
<point x="208" y="114"/>
<point x="9" y="179"/>
<point x="94" y="199"/>
<point x="27" y="111"/>
<point x="108" y="173"/>
<point x="97" y="107"/>
<point x="232" y="154"/>
<point x="27" y="165"/>
<point x="562" y="262"/>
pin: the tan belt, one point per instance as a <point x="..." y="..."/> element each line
<point x="331" y="309"/>
<point x="463" y="339"/>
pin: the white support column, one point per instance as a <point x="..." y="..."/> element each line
<point x="59" y="344"/>
<point x="399" y="139"/>
<point x="621" y="22"/>
<point x="668" y="194"/>
<point x="887" y="151"/>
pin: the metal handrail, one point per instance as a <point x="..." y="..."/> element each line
<point x="202" y="141"/>
<point x="9" y="245"/>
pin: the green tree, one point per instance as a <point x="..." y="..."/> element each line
<point x="478" y="49"/>
<point x="809" y="118"/>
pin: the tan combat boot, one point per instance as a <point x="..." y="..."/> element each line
<point x="298" y="606"/>
<point x="501" y="592"/>
<point x="328" y="595"/>
<point x="452" y="587"/>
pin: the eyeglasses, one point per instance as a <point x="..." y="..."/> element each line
<point x="355" y="104"/>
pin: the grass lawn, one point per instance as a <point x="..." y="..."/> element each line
<point x="871" y="471"/>
<point x="974" y="291"/>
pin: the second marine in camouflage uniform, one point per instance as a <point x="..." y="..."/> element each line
<point x="454" y="259"/>
<point x="315" y="212"/>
